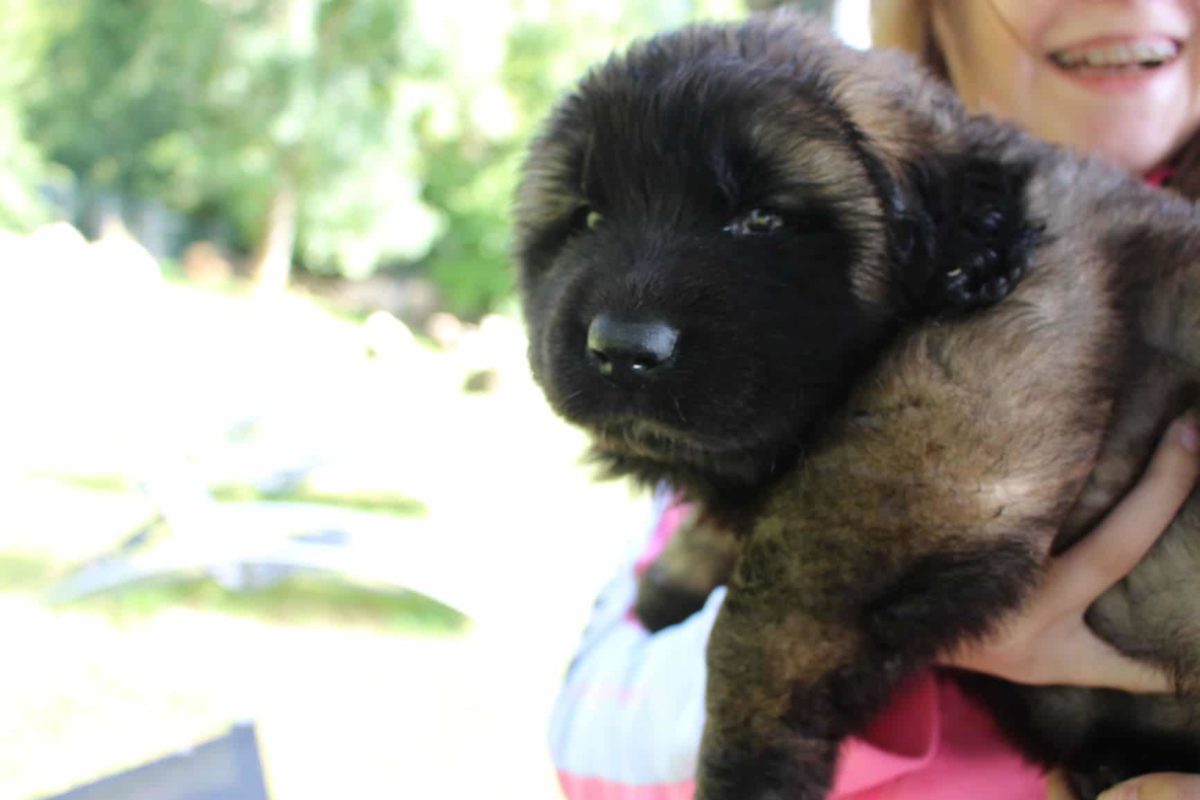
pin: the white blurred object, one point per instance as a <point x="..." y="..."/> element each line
<point x="58" y="244"/>
<point x="445" y="329"/>
<point x="121" y="259"/>
<point x="388" y="337"/>
<point x="852" y="22"/>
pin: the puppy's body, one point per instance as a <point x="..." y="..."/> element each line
<point x="759" y="265"/>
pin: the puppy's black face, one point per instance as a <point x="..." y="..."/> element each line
<point x="700" y="252"/>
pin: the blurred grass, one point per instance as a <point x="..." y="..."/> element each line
<point x="95" y="483"/>
<point x="356" y="693"/>
<point x="379" y="502"/>
<point x="26" y="573"/>
<point x="294" y="600"/>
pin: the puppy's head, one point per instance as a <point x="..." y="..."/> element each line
<point x="707" y="242"/>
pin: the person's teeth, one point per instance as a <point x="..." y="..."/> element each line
<point x="1145" y="52"/>
<point x="1163" y="50"/>
<point x="1118" y="55"/>
<point x="1110" y="57"/>
<point x="1121" y="55"/>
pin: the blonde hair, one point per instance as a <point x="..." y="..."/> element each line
<point x="903" y="24"/>
<point x="908" y="25"/>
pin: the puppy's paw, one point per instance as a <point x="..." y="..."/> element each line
<point x="970" y="239"/>
<point x="662" y="602"/>
<point x="985" y="253"/>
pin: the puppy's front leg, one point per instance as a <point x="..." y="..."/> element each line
<point x="773" y="728"/>
<point x="697" y="559"/>
<point x="795" y="668"/>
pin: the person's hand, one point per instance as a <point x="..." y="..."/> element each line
<point x="1047" y="641"/>
<point x="1159" y="786"/>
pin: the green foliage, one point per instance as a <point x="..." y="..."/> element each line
<point x="116" y="78"/>
<point x="306" y="95"/>
<point x="398" y="125"/>
<point x="216" y="104"/>
<point x="22" y="167"/>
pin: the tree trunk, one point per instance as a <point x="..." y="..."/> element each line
<point x="273" y="261"/>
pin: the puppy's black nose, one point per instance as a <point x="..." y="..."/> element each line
<point x="630" y="350"/>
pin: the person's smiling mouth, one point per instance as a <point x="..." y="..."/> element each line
<point x="1115" y="57"/>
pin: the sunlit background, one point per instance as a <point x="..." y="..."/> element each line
<point x="269" y="452"/>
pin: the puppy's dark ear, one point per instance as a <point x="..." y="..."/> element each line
<point x="962" y="236"/>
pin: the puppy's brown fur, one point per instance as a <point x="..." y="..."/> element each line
<point x="897" y="470"/>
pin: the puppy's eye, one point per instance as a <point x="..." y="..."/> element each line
<point x="585" y="218"/>
<point x="755" y="222"/>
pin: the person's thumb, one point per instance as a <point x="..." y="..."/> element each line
<point x="1159" y="786"/>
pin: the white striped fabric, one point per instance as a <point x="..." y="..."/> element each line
<point x="631" y="711"/>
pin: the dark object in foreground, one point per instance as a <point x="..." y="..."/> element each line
<point x="900" y="354"/>
<point x="225" y="768"/>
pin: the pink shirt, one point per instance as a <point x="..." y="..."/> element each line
<point x="934" y="742"/>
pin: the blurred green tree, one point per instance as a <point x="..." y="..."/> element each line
<point x="282" y="116"/>
<point x="23" y="27"/>
<point x="351" y="133"/>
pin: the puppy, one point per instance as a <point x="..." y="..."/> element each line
<point x="896" y="354"/>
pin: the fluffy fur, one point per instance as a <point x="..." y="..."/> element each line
<point x="894" y="352"/>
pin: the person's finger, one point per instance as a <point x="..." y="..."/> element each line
<point x="1057" y="787"/>
<point x="1159" y="786"/>
<point x="1085" y="571"/>
<point x="1094" y="662"/>
<point x="1069" y="654"/>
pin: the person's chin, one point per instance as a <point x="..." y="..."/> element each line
<point x="1136" y="124"/>
<point x="1137" y="136"/>
<point x="1137" y="148"/>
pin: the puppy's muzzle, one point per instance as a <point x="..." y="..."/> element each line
<point x="630" y="352"/>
